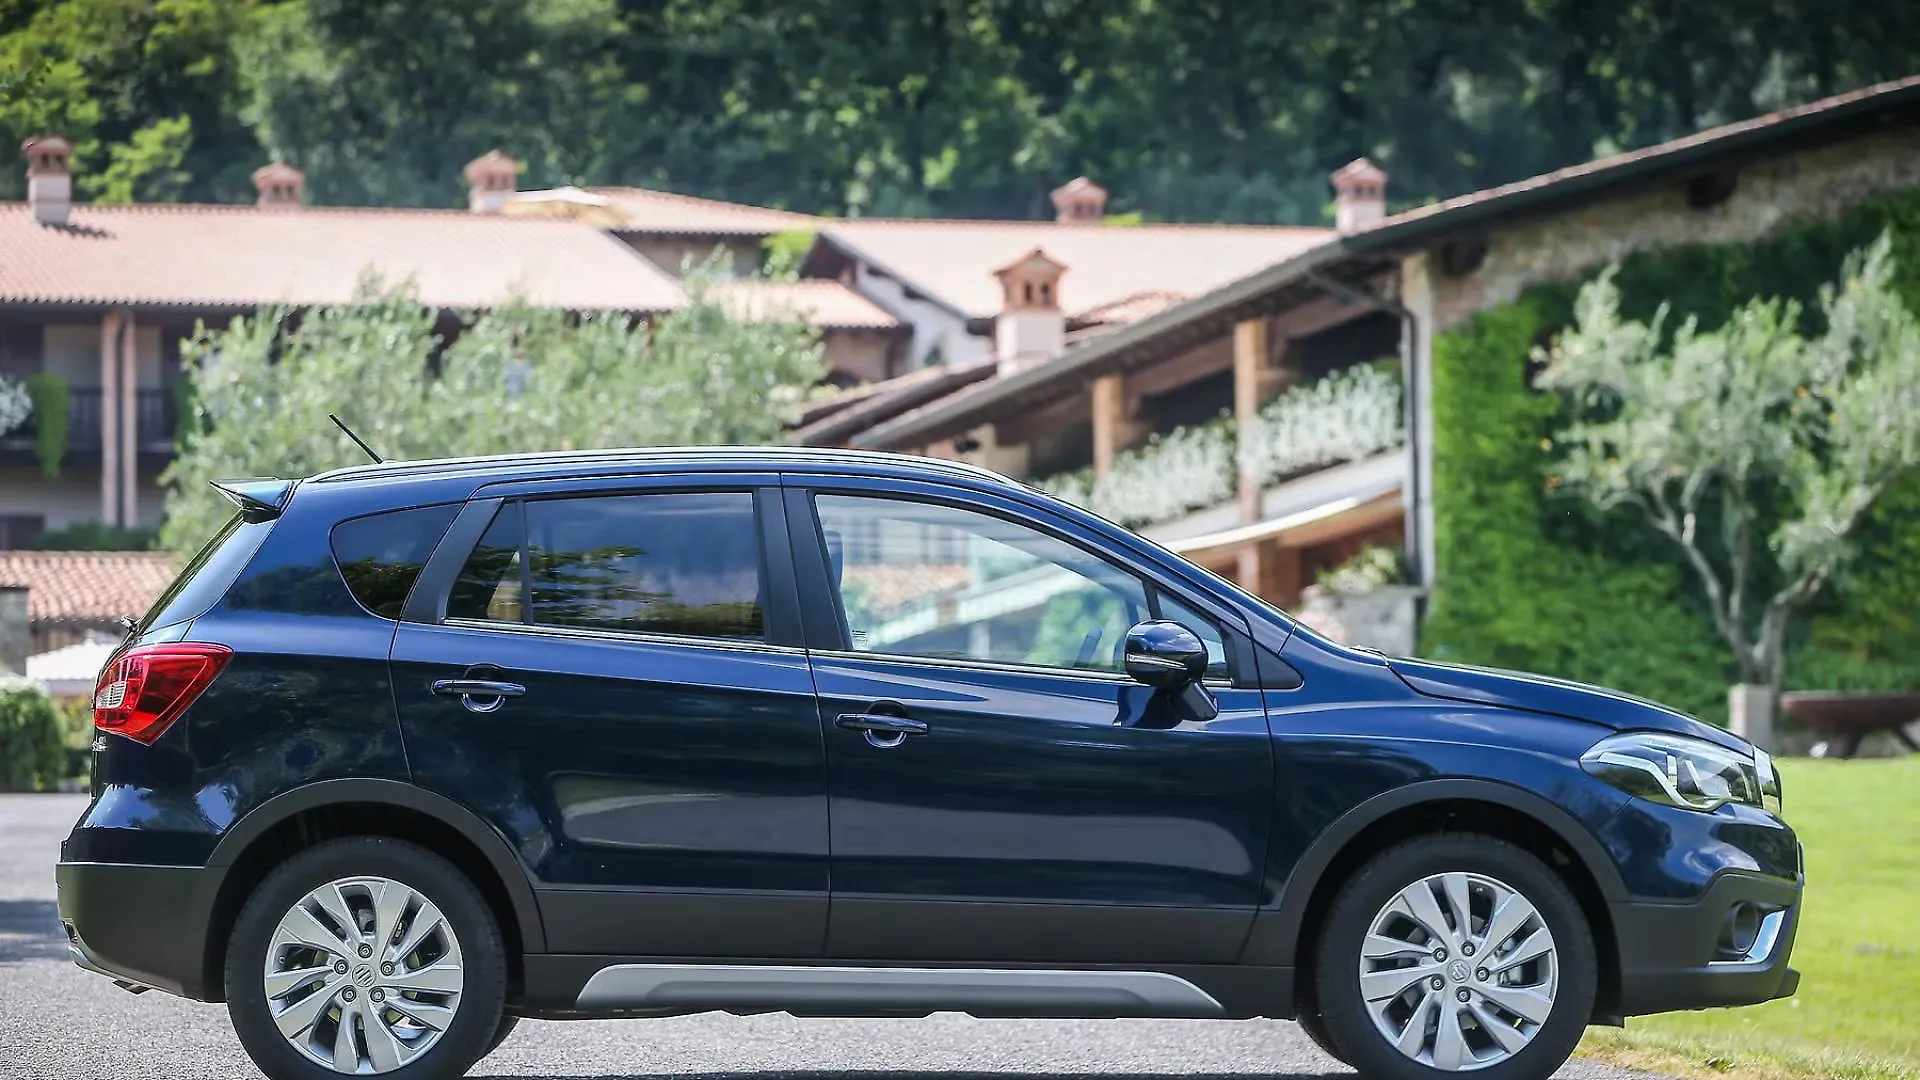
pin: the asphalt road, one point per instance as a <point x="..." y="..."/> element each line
<point x="57" y="1021"/>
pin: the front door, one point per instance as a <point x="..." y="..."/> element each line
<point x="1000" y="791"/>
<point x="613" y="681"/>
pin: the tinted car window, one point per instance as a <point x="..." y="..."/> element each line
<point x="380" y="555"/>
<point x="488" y="587"/>
<point x="208" y="573"/>
<point x="922" y="579"/>
<point x="675" y="563"/>
<point x="663" y="564"/>
<point x="1203" y="628"/>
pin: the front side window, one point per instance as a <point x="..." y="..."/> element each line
<point x="1204" y="628"/>
<point x="928" y="580"/>
<point x="672" y="563"/>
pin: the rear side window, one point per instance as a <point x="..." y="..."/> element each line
<point x="380" y="555"/>
<point x="208" y="574"/>
<point x="681" y="563"/>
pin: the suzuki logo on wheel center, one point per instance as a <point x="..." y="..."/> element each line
<point x="363" y="976"/>
<point x="1459" y="971"/>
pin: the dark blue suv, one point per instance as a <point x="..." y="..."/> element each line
<point x="410" y="751"/>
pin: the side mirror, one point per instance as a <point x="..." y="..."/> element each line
<point x="1164" y="655"/>
<point x="1172" y="659"/>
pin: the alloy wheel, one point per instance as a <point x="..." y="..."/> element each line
<point x="363" y="975"/>
<point x="1458" y="971"/>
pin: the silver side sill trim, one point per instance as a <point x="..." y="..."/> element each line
<point x="855" y="990"/>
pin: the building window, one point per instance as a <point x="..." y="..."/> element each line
<point x="20" y="530"/>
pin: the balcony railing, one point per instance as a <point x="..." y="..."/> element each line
<point x="1346" y="416"/>
<point x="154" y="412"/>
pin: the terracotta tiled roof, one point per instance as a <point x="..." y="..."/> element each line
<point x="85" y="588"/>
<point x="240" y="256"/>
<point x="831" y="419"/>
<point x="632" y="209"/>
<point x="825" y="303"/>
<point x="954" y="261"/>
<point x="1651" y="155"/>
<point x="1130" y="309"/>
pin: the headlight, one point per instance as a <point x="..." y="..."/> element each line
<point x="1684" y="772"/>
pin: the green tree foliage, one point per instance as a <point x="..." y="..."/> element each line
<point x="1702" y="434"/>
<point x="146" y="90"/>
<point x="1509" y="595"/>
<point x="1532" y="580"/>
<point x="513" y="380"/>
<point x="33" y="752"/>
<point x="1197" y="110"/>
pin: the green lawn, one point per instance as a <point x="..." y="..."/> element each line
<point x="1858" y="1010"/>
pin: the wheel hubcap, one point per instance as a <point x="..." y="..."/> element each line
<point x="363" y="975"/>
<point x="1450" y="1013"/>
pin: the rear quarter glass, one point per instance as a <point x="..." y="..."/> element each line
<point x="380" y="555"/>
<point x="208" y="574"/>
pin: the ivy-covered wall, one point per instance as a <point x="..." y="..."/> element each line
<point x="1531" y="580"/>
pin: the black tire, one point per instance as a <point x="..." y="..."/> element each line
<point x="477" y="1019"/>
<point x="507" y="1024"/>
<point x="1350" y="919"/>
<point x="1316" y="1029"/>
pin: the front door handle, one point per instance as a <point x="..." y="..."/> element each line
<point x="882" y="730"/>
<point x="479" y="695"/>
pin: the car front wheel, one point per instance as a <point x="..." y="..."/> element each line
<point x="1456" y="953"/>
<point x="365" y="956"/>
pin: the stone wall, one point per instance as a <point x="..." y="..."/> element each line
<point x="1819" y="184"/>
<point x="1384" y="619"/>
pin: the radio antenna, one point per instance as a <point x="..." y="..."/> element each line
<point x="358" y="441"/>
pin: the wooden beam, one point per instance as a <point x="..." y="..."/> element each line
<point x="1285" y="576"/>
<point x="1205" y="359"/>
<point x="1314" y="316"/>
<point x="1050" y="419"/>
<point x="110" y="418"/>
<point x="1109" y="421"/>
<point x="1250" y="356"/>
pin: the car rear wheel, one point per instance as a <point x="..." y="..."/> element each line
<point x="366" y="956"/>
<point x="1456" y="953"/>
<point x="1316" y="1029"/>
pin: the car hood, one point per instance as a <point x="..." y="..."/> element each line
<point x="1559" y="697"/>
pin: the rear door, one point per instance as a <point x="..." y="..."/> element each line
<point x="1032" y="803"/>
<point x="613" y="679"/>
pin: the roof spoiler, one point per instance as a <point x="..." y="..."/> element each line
<point x="259" y="498"/>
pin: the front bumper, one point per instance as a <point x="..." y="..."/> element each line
<point x="141" y="925"/>
<point x="1669" y="956"/>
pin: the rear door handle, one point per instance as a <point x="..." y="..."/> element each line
<point x="479" y="695"/>
<point x="881" y="730"/>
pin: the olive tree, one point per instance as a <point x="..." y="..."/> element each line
<point x="515" y="379"/>
<point x="1717" y="437"/>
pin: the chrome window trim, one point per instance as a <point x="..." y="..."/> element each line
<point x="963" y="664"/>
<point x="634" y="636"/>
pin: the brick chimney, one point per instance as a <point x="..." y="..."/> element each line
<point x="1079" y="201"/>
<point x="279" y="185"/>
<point x="1030" y="328"/>
<point x="49" y="178"/>
<point x="491" y="179"/>
<point x="1359" y="195"/>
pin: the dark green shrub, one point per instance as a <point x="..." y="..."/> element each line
<point x="51" y="402"/>
<point x="32" y="744"/>
<point x="95" y="536"/>
<point x="1532" y="581"/>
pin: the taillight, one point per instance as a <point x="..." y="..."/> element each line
<point x="147" y="687"/>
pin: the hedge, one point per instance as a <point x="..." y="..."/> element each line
<point x="33" y="754"/>
<point x="1530" y="580"/>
